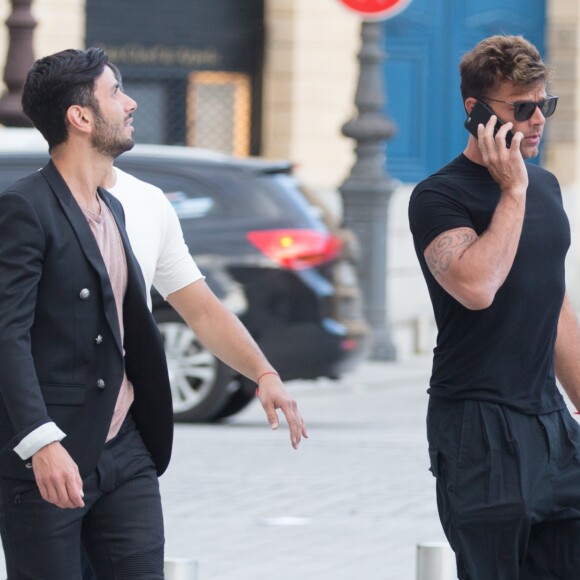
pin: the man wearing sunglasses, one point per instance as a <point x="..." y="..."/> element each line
<point x="491" y="236"/>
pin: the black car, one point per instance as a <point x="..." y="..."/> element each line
<point x="266" y="252"/>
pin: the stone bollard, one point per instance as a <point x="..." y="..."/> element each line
<point x="435" y="561"/>
<point x="180" y="569"/>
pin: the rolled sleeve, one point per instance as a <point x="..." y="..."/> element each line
<point x="37" y="439"/>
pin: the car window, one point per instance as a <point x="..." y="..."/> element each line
<point x="222" y="194"/>
<point x="191" y="198"/>
<point x="267" y="196"/>
<point x="188" y="207"/>
<point x="281" y="186"/>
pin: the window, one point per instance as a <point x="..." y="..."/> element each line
<point x="218" y="112"/>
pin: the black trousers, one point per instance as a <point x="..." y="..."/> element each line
<point x="120" y="527"/>
<point x="508" y="489"/>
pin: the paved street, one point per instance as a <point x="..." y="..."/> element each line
<point x="350" y="504"/>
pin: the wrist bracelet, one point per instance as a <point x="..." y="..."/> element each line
<point x="266" y="373"/>
<point x="262" y="375"/>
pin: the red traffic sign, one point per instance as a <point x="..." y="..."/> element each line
<point x="376" y="9"/>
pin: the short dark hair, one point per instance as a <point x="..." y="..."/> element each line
<point x="55" y="83"/>
<point x="498" y="59"/>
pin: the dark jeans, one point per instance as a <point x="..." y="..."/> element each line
<point x="508" y="489"/>
<point x="120" y="527"/>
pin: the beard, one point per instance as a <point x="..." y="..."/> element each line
<point x="108" y="139"/>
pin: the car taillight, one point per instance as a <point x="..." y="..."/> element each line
<point x="296" y="249"/>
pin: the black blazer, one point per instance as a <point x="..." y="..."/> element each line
<point x="61" y="357"/>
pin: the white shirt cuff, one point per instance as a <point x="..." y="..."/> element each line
<point x="37" y="439"/>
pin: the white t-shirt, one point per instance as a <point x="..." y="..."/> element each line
<point x="155" y="235"/>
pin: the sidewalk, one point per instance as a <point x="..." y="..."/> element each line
<point x="351" y="503"/>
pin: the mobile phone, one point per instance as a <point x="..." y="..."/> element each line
<point x="481" y="114"/>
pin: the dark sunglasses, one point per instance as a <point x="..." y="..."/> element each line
<point x="523" y="110"/>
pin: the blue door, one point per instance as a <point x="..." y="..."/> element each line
<point x="424" y="45"/>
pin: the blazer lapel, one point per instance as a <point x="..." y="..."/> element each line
<point x="87" y="242"/>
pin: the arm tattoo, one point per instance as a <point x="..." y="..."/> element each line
<point x="444" y="248"/>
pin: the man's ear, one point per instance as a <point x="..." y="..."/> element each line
<point x="469" y="104"/>
<point x="79" y="118"/>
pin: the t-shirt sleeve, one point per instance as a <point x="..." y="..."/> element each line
<point x="175" y="267"/>
<point x="434" y="208"/>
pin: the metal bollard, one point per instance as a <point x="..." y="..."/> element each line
<point x="180" y="569"/>
<point x="435" y="561"/>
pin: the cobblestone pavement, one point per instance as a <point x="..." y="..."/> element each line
<point x="351" y="504"/>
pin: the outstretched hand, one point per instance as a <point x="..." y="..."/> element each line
<point x="273" y="396"/>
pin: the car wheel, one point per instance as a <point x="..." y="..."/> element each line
<point x="238" y="400"/>
<point x="200" y="383"/>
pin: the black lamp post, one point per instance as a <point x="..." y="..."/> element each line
<point x="367" y="190"/>
<point x="20" y="58"/>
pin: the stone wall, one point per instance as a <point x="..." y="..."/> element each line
<point x="563" y="153"/>
<point x="310" y="76"/>
<point x="60" y="25"/>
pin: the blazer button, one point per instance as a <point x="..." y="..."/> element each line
<point x="98" y="339"/>
<point x="101" y="384"/>
<point x="84" y="293"/>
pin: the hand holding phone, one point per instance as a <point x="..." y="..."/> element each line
<point x="481" y="113"/>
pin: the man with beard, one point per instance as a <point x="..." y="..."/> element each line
<point x="491" y="236"/>
<point x="86" y="418"/>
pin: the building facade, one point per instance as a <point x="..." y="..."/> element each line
<point x="281" y="79"/>
<point x="307" y="70"/>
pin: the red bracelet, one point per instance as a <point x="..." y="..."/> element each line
<point x="266" y="373"/>
<point x="263" y="374"/>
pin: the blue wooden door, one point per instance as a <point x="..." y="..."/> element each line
<point x="423" y="46"/>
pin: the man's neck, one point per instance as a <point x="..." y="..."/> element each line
<point x="472" y="151"/>
<point x="110" y="178"/>
<point x="83" y="170"/>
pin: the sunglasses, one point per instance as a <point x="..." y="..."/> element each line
<point x="523" y="110"/>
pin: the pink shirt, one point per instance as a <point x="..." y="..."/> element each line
<point x="105" y="230"/>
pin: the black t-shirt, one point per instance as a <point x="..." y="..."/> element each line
<point x="503" y="353"/>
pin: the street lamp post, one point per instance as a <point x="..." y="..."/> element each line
<point x="367" y="190"/>
<point x="20" y="58"/>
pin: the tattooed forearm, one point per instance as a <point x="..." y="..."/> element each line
<point x="441" y="251"/>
